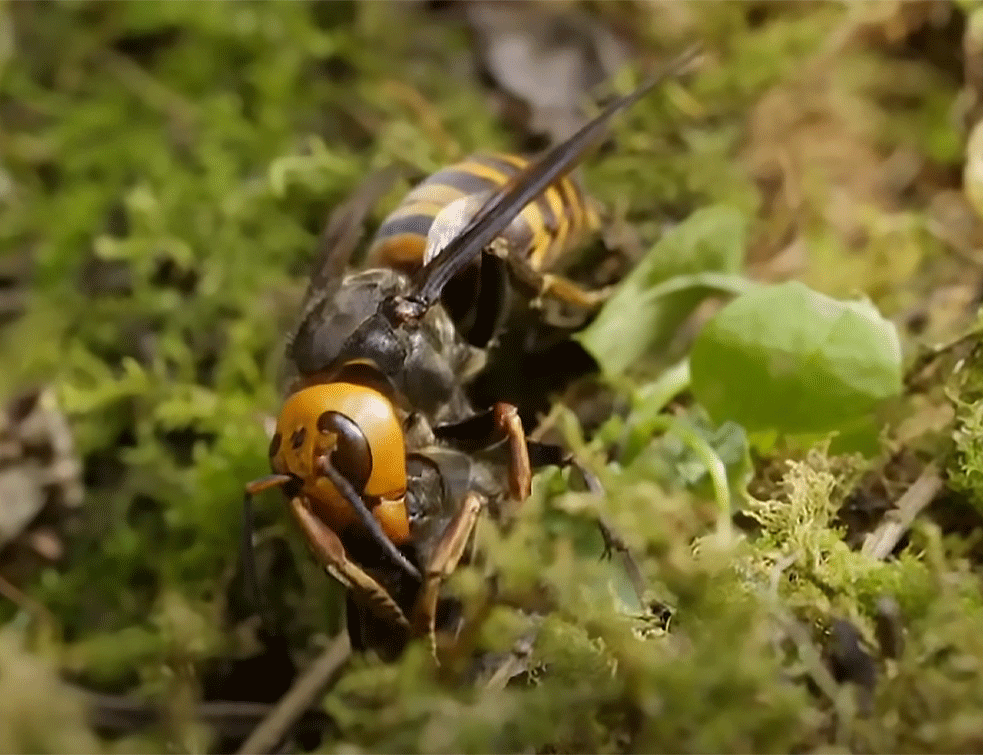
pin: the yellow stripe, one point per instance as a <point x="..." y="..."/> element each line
<point x="540" y="246"/>
<point x="537" y="226"/>
<point x="476" y="168"/>
<point x="574" y="209"/>
<point x="593" y="214"/>
<point x="437" y="192"/>
<point x="587" y="223"/>
<point x="417" y="207"/>
<point x="555" y="201"/>
<point x="516" y="160"/>
<point x="400" y="251"/>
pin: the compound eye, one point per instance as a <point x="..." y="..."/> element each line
<point x="351" y="456"/>
<point x="275" y="464"/>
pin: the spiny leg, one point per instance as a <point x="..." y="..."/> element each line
<point x="555" y="286"/>
<point x="488" y="428"/>
<point x="520" y="471"/>
<point x="331" y="554"/>
<point x="446" y="556"/>
<point x="547" y="454"/>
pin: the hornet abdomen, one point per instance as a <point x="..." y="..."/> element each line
<point x="558" y="221"/>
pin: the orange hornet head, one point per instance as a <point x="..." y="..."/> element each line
<point x="335" y="433"/>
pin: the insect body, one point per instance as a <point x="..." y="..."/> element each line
<point x="527" y="253"/>
<point x="559" y="219"/>
<point x="376" y="402"/>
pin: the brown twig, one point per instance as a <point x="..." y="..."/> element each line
<point x="517" y="661"/>
<point x="422" y="109"/>
<point x="121" y="715"/>
<point x="882" y="540"/>
<point x="150" y="89"/>
<point x="298" y="698"/>
<point x="25" y="602"/>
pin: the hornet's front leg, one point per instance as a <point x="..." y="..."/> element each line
<point x="488" y="428"/>
<point x="444" y="560"/>
<point x="331" y="554"/>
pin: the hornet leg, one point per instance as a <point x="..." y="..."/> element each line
<point x="555" y="286"/>
<point x="572" y="293"/>
<point x="549" y="454"/>
<point x="331" y="554"/>
<point x="444" y="561"/>
<point x="520" y="471"/>
<point x="488" y="428"/>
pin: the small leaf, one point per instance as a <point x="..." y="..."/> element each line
<point x="634" y="321"/>
<point x="675" y="463"/>
<point x="790" y="359"/>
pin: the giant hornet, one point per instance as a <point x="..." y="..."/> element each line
<point x="376" y="446"/>
<point x="510" y="301"/>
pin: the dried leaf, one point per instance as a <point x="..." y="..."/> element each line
<point x="546" y="57"/>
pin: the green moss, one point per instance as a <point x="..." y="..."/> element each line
<point x="198" y="148"/>
<point x="38" y="713"/>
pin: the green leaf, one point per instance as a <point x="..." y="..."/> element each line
<point x="790" y="359"/>
<point x="675" y="463"/>
<point x="639" y="317"/>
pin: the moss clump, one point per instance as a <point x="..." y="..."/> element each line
<point x="167" y="168"/>
<point x="38" y="713"/>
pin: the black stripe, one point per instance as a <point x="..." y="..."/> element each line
<point x="467" y="183"/>
<point x="418" y="225"/>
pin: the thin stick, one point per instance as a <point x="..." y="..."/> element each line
<point x="25" y="602"/>
<point x="881" y="541"/>
<point x="247" y="550"/>
<point x="118" y="714"/>
<point x="299" y="698"/>
<point x="516" y="663"/>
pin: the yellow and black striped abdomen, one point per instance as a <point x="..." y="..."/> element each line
<point x="562" y="218"/>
